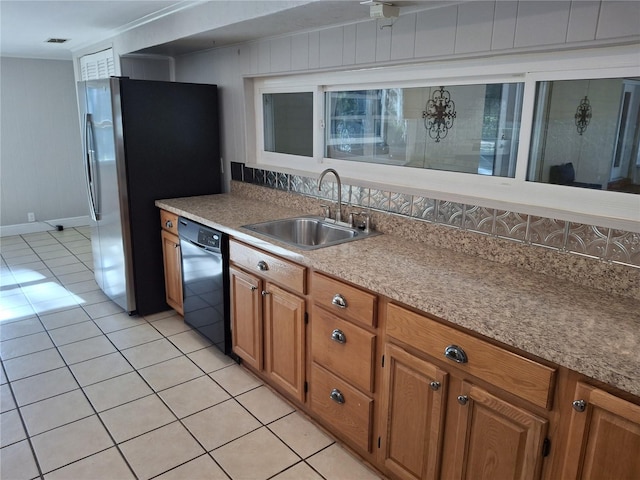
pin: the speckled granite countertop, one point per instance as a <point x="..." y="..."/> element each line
<point x="586" y="330"/>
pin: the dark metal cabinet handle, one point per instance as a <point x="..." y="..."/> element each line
<point x="168" y="224"/>
<point x="336" y="396"/>
<point x="434" y="385"/>
<point x="338" y="336"/>
<point x="262" y="266"/>
<point x="455" y="353"/>
<point x="463" y="399"/>
<point x="579" y="405"/>
<point x="253" y="288"/>
<point x="264" y="293"/>
<point x="339" y="301"/>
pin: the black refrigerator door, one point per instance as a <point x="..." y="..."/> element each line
<point x="171" y="146"/>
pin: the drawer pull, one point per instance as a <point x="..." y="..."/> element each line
<point x="455" y="353"/>
<point x="463" y="399"/>
<point x="262" y="266"/>
<point x="434" y="385"/>
<point x="336" y="396"/>
<point x="338" y="336"/>
<point x="339" y="301"/>
<point x="169" y="224"/>
<point x="579" y="405"/>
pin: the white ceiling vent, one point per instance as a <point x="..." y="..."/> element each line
<point x="57" y="40"/>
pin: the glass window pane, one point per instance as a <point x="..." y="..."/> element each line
<point x="468" y="128"/>
<point x="288" y="123"/>
<point x="586" y="134"/>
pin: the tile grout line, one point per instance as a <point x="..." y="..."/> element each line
<point x="234" y="397"/>
<point x="24" y="425"/>
<point x="207" y="452"/>
<point x="153" y="390"/>
<point x="157" y="395"/>
<point x="88" y="401"/>
<point x="302" y="459"/>
<point x="42" y="260"/>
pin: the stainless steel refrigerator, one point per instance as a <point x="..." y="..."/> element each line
<point x="143" y="140"/>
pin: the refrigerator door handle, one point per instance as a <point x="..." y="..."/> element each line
<point x="89" y="170"/>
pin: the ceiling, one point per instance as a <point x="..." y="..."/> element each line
<point x="26" y="25"/>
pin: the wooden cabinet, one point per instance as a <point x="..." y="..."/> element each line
<point x="604" y="437"/>
<point x="246" y="317"/>
<point x="172" y="259"/>
<point x="495" y="438"/>
<point x="509" y="371"/>
<point x="347" y="410"/>
<point x="269" y="267"/>
<point x="267" y="320"/>
<point x="412" y="415"/>
<point x="459" y="429"/>
<point x="343" y="348"/>
<point x="425" y="400"/>
<point x="348" y="302"/>
<point x="284" y="340"/>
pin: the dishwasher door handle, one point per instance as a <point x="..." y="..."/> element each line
<point x="198" y="245"/>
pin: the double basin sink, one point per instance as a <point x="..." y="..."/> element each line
<point x="309" y="232"/>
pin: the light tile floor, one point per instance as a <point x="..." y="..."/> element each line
<point x="88" y="392"/>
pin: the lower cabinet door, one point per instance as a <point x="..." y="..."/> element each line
<point x="246" y="317"/>
<point x="284" y="340"/>
<point x="414" y="399"/>
<point x="604" y="437"/>
<point x="496" y="439"/>
<point x="172" y="270"/>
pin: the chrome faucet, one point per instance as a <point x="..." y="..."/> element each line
<point x="339" y="209"/>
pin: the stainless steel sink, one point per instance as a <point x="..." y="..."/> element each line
<point x="308" y="233"/>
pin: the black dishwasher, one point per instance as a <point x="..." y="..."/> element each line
<point x="205" y="281"/>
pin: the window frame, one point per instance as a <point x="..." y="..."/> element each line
<point x="284" y="160"/>
<point x="599" y="207"/>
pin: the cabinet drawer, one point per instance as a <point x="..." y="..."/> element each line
<point x="169" y="221"/>
<point x="520" y="376"/>
<point x="352" y="417"/>
<point x="347" y="301"/>
<point x="287" y="274"/>
<point x="343" y="348"/>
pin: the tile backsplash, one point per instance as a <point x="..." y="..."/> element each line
<point x="478" y="228"/>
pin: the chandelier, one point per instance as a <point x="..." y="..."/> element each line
<point x="439" y="114"/>
<point x="583" y="115"/>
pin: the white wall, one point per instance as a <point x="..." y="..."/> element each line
<point x="143" y="67"/>
<point x="475" y="29"/>
<point x="193" y="18"/>
<point x="223" y="68"/>
<point x="41" y="169"/>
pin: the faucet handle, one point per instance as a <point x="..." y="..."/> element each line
<point x="366" y="223"/>
<point x="326" y="210"/>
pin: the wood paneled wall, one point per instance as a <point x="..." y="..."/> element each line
<point x="453" y="31"/>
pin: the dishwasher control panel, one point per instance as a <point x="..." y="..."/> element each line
<point x="200" y="235"/>
<point x="208" y="238"/>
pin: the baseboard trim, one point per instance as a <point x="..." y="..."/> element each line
<point x="44" y="226"/>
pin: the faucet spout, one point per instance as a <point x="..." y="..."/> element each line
<point x="339" y="209"/>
